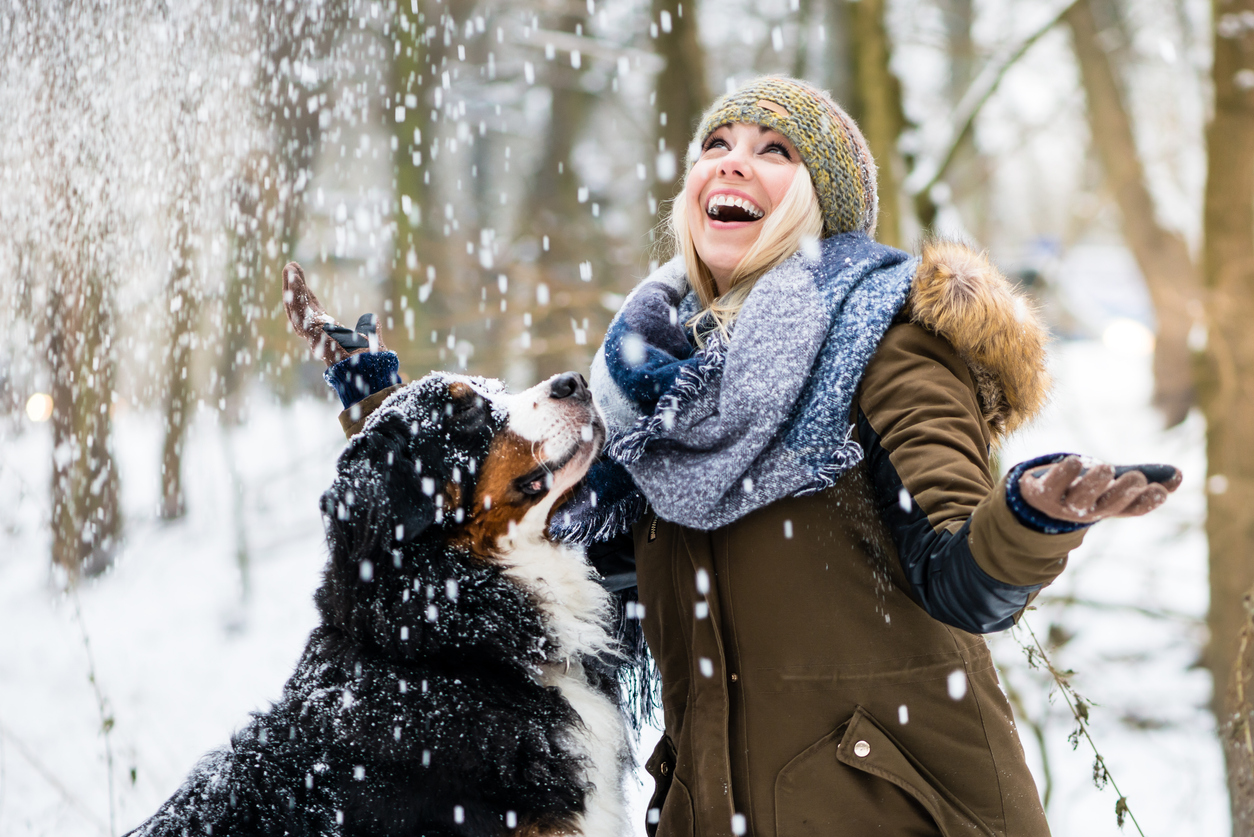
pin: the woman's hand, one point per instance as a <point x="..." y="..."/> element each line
<point x="328" y="340"/>
<point x="1066" y="491"/>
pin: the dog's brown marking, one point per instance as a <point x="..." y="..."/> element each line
<point x="497" y="500"/>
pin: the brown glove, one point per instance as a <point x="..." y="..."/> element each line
<point x="1066" y="490"/>
<point x="328" y="340"/>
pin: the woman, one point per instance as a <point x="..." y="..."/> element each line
<point x="825" y="539"/>
<point x="808" y="415"/>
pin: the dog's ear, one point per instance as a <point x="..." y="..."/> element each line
<point x="411" y="480"/>
<point x="414" y="465"/>
<point x="384" y="492"/>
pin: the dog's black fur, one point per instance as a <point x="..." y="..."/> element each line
<point x="414" y="709"/>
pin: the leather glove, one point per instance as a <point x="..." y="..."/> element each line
<point x="328" y="340"/>
<point x="1067" y="490"/>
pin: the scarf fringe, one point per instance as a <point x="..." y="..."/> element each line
<point x="848" y="454"/>
<point x="640" y="682"/>
<point x="690" y="383"/>
<point x="601" y="523"/>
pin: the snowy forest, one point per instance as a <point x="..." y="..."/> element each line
<point x="490" y="177"/>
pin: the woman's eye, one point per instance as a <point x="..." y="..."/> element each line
<point x="778" y="149"/>
<point x="716" y="143"/>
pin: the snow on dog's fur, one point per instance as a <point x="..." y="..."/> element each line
<point x="461" y="681"/>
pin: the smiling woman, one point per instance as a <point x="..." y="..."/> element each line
<point x="809" y="416"/>
<point x="745" y="173"/>
<point x="725" y="254"/>
<point x="749" y="199"/>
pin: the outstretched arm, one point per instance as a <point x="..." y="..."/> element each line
<point x="974" y="550"/>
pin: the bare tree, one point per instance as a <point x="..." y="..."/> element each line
<point x="1226" y="386"/>
<point x="1161" y="253"/>
<point x="287" y="103"/>
<point x="877" y="108"/>
<point x="86" y="518"/>
<point x="420" y="81"/>
<point x="70" y="233"/>
<point x="681" y="94"/>
<point x="183" y="303"/>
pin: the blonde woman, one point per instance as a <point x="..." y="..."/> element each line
<point x="809" y="416"/>
<point x="801" y="423"/>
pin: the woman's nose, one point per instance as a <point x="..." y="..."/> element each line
<point x="735" y="162"/>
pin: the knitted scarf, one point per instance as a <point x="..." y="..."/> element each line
<point x="710" y="434"/>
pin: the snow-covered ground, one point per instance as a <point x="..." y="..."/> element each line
<point x="180" y="657"/>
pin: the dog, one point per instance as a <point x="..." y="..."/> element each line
<point x="461" y="680"/>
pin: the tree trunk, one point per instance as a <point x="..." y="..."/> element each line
<point x="268" y="204"/>
<point x="966" y="179"/>
<point x="183" y="307"/>
<point x="1161" y="254"/>
<point x="562" y="286"/>
<point x="1226" y="387"/>
<point x="86" y="518"/>
<point x="835" y="72"/>
<point x="182" y="303"/>
<point x="1237" y="729"/>
<point x="877" y="108"/>
<point x="73" y="258"/>
<point x="682" y="96"/>
<point x="423" y="250"/>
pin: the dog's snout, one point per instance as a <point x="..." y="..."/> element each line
<point x="569" y="385"/>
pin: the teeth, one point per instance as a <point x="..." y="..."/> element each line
<point x="730" y="200"/>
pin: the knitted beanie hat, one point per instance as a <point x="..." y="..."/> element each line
<point x="831" y="146"/>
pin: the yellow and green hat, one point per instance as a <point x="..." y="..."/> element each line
<point x="831" y="146"/>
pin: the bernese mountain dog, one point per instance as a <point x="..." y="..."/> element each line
<point x="461" y="681"/>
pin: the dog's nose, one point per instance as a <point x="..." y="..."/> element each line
<point x="567" y="385"/>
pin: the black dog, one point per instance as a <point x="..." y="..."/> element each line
<point x="457" y="684"/>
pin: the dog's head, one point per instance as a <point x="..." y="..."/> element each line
<point x="425" y="497"/>
<point x="461" y="454"/>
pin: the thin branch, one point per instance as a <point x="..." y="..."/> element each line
<point x="1153" y="613"/>
<point x="102" y="705"/>
<point x="973" y="101"/>
<point x="1080" y="711"/>
<point x="73" y="801"/>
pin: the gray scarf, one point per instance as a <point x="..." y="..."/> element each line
<point x="708" y="435"/>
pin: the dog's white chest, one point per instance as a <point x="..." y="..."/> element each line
<point x="575" y="608"/>
<point x="602" y="740"/>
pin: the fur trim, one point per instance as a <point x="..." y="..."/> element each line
<point x="959" y="295"/>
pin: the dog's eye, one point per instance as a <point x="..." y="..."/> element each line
<point x="532" y="487"/>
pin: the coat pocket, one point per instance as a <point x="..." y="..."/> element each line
<point x="670" y="807"/>
<point x="859" y="780"/>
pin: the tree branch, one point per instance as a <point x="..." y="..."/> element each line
<point x="973" y="101"/>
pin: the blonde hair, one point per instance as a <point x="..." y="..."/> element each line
<point x="797" y="218"/>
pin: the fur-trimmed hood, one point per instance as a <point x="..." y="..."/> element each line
<point x="958" y="294"/>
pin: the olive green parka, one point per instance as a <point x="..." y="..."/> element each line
<point x="805" y="689"/>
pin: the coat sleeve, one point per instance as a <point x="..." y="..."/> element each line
<point x="363" y="381"/>
<point x="971" y="560"/>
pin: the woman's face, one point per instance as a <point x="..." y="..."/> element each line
<point x="742" y="175"/>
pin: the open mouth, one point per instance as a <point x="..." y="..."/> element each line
<point x="731" y="208"/>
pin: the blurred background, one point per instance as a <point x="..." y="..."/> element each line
<point x="490" y="177"/>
